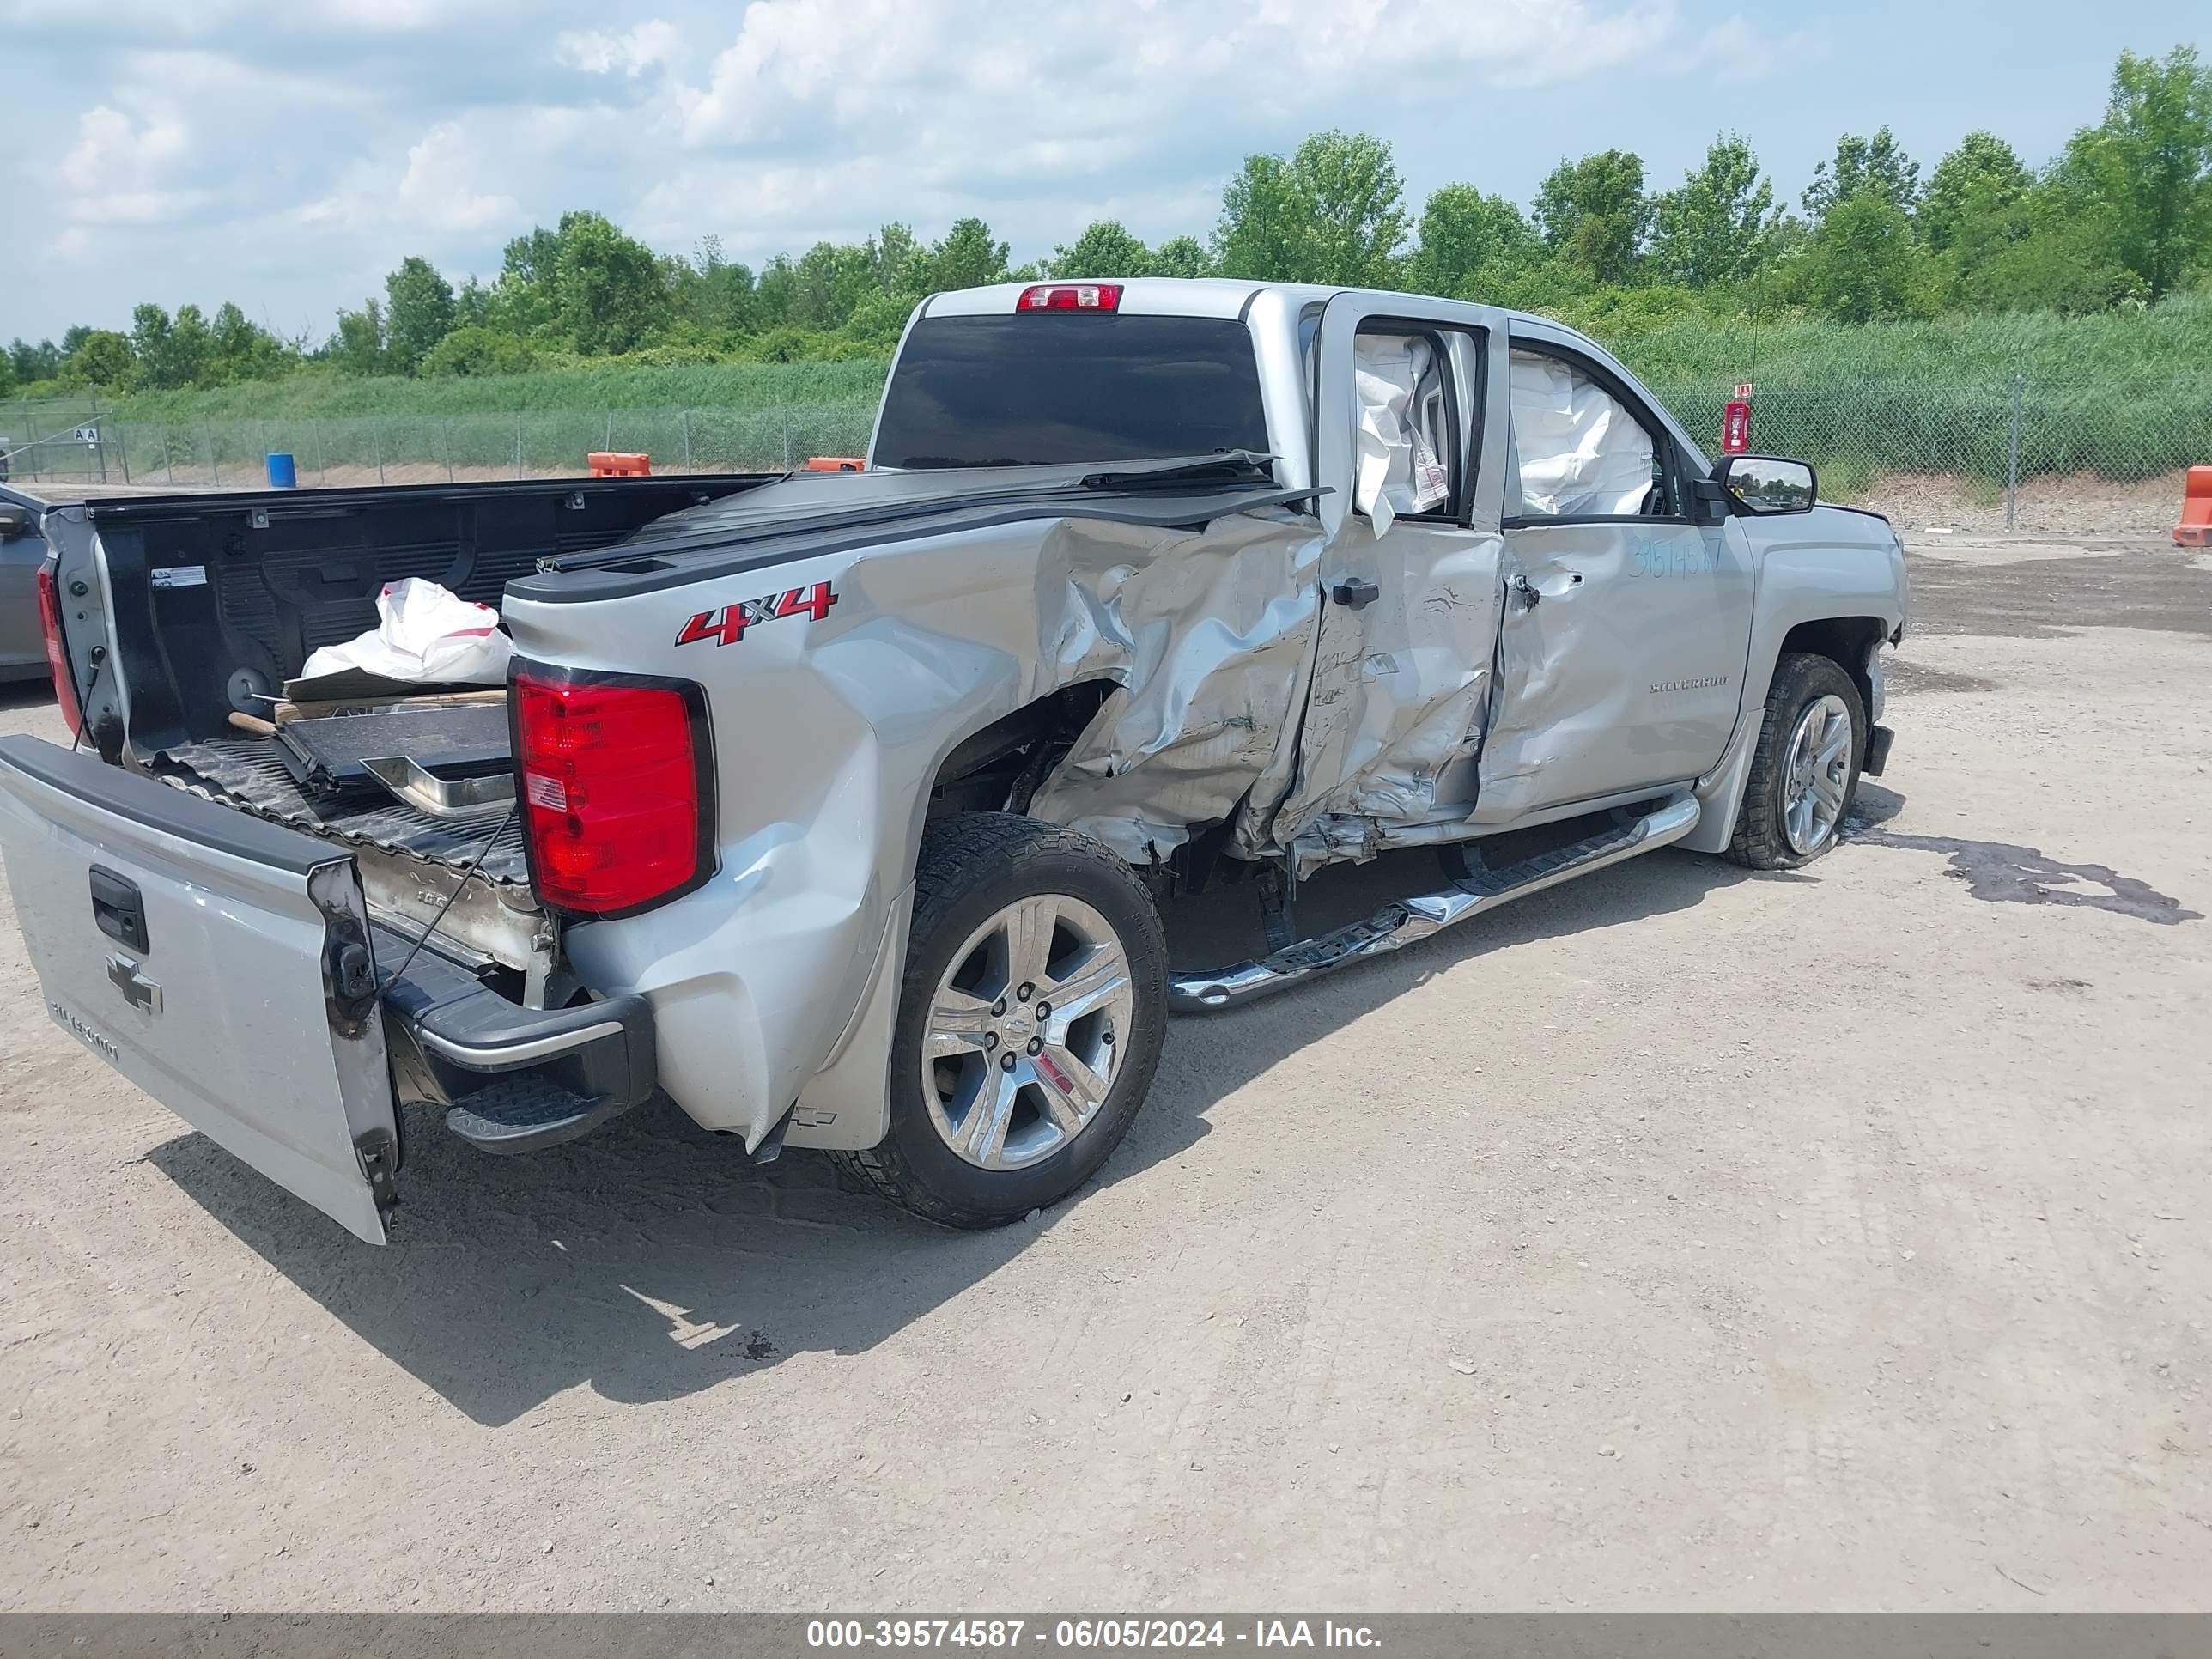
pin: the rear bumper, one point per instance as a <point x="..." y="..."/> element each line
<point x="517" y="1078"/>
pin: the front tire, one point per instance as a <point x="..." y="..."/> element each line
<point x="1030" y="1019"/>
<point x="1805" y="773"/>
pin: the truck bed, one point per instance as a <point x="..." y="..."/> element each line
<point x="247" y="773"/>
<point x="217" y="599"/>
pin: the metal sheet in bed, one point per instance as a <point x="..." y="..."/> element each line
<point x="249" y="772"/>
<point x="462" y="740"/>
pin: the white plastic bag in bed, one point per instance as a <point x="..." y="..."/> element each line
<point x="425" y="634"/>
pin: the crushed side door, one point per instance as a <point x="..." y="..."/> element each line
<point x="1410" y="590"/>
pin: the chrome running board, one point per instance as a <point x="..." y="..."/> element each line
<point x="1408" y="921"/>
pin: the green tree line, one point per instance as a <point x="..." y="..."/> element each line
<point x="2122" y="216"/>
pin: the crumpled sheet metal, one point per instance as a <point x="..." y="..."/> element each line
<point x="1390" y="737"/>
<point x="1210" y="637"/>
<point x="1227" y="706"/>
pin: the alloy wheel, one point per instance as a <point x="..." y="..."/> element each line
<point x="1021" y="1047"/>
<point x="1818" y="774"/>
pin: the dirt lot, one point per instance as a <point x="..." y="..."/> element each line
<point x="1933" y="505"/>
<point x="1681" y="1239"/>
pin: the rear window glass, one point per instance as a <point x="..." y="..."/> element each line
<point x="1046" y="387"/>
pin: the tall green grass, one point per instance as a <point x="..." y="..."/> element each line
<point x="419" y="448"/>
<point x="318" y="392"/>
<point x="2170" y="343"/>
<point x="2123" y="395"/>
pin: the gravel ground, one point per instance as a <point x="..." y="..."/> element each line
<point x="1678" y="1239"/>
<point x="2080" y="504"/>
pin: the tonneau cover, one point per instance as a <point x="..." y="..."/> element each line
<point x="812" y="514"/>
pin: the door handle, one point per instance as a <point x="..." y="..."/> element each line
<point x="1530" y="595"/>
<point x="118" y="908"/>
<point x="1356" y="594"/>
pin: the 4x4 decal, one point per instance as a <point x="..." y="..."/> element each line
<point x="727" y="625"/>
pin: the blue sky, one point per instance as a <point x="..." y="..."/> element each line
<point x="221" y="150"/>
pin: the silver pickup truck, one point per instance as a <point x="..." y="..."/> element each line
<point x="839" y="806"/>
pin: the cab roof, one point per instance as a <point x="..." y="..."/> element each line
<point x="1177" y="296"/>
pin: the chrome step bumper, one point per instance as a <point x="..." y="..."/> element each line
<point x="1411" y="919"/>
<point x="514" y="1080"/>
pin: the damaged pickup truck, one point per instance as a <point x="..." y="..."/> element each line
<point x="839" y="806"/>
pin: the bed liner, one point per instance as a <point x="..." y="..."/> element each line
<point x="249" y="774"/>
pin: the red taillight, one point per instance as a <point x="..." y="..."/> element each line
<point x="57" y="662"/>
<point x="615" y="789"/>
<point x="1071" y="296"/>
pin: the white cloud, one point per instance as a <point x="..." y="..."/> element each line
<point x="155" y="21"/>
<point x="201" y="78"/>
<point x="999" y="90"/>
<point x="434" y="191"/>
<point x="650" y="46"/>
<point x="442" y="185"/>
<point x="1737" y="52"/>
<point x="387" y="16"/>
<point x="117" y="170"/>
<point x="321" y="147"/>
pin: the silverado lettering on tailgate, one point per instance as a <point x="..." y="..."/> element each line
<point x="84" y="1033"/>
<point x="727" y="625"/>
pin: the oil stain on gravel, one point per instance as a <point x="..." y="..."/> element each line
<point x="2004" y="873"/>
<point x="1906" y="674"/>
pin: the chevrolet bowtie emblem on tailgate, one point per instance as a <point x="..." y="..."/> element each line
<point x="137" y="990"/>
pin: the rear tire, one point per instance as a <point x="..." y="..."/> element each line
<point x="1805" y="773"/>
<point x="997" y="1109"/>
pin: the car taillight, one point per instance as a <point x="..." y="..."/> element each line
<point x="617" y="782"/>
<point x="1071" y="296"/>
<point x="57" y="662"/>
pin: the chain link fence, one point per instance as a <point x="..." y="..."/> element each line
<point x="2001" y="452"/>
<point x="1991" y="452"/>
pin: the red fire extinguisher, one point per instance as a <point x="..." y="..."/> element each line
<point x="1736" y="423"/>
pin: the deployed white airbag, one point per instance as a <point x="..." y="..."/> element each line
<point x="1580" y="454"/>
<point x="1399" y="469"/>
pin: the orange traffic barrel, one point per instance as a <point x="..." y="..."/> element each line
<point x="835" y="464"/>
<point x="2195" y="529"/>
<point x="614" y="464"/>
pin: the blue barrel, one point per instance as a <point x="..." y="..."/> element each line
<point x="283" y="474"/>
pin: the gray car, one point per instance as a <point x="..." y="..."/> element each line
<point x="841" y="807"/>
<point x="22" y="550"/>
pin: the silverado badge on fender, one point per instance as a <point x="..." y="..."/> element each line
<point x="727" y="625"/>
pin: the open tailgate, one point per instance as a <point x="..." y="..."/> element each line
<point x="221" y="962"/>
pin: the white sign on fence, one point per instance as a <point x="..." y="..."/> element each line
<point x="88" y="435"/>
